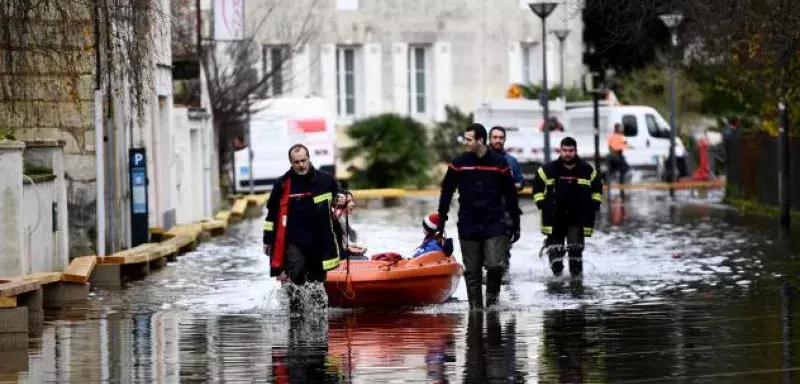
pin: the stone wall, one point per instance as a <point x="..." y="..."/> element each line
<point x="47" y="94"/>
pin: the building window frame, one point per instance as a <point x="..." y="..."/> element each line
<point x="348" y="81"/>
<point x="275" y="63"/>
<point x="420" y="79"/>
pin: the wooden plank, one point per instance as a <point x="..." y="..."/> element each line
<point x="15" y="287"/>
<point x="141" y="257"/>
<point x="8" y="302"/>
<point x="135" y="255"/>
<point x="223" y="215"/>
<point x="214" y="224"/>
<point x="258" y="200"/>
<point x="239" y="207"/>
<point x="39" y="277"/>
<point x="80" y="269"/>
<point x="180" y="241"/>
<point x="162" y="250"/>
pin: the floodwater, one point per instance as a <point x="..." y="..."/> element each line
<point x="672" y="292"/>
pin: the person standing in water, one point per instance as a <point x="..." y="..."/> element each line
<point x="299" y="234"/>
<point x="568" y="193"/>
<point x="497" y="142"/>
<point x="486" y="192"/>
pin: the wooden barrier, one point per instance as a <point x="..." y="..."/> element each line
<point x="238" y="210"/>
<point x="79" y="270"/>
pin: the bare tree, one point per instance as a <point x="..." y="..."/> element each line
<point x="257" y="68"/>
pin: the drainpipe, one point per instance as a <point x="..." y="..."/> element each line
<point x="98" y="134"/>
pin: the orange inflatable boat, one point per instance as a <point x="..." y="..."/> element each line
<point x="428" y="279"/>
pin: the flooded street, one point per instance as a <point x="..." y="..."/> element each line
<point x="672" y="292"/>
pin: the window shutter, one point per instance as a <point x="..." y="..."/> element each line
<point x="300" y="72"/>
<point x="443" y="78"/>
<point x="373" y="79"/>
<point x="400" y="75"/>
<point x="327" y="64"/>
<point x="514" y="63"/>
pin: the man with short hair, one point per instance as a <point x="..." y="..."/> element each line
<point x="486" y="192"/>
<point x="497" y="141"/>
<point x="299" y="233"/>
<point x="568" y="193"/>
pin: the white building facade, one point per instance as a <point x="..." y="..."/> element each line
<point x="414" y="57"/>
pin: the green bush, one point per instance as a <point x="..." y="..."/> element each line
<point x="395" y="151"/>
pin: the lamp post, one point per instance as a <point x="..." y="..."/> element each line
<point x="672" y="20"/>
<point x="544" y="9"/>
<point x="561" y="34"/>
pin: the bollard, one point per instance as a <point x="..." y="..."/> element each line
<point x="702" y="171"/>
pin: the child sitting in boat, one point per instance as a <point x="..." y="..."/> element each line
<point x="432" y="242"/>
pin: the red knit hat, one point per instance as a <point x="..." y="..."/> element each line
<point x="431" y="222"/>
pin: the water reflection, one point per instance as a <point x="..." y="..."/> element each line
<point x="671" y="293"/>
<point x="378" y="343"/>
<point x="491" y="351"/>
<point x="305" y="359"/>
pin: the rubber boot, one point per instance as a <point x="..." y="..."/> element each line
<point x="505" y="280"/>
<point x="576" y="266"/>
<point x="475" y="297"/>
<point x="493" y="281"/>
<point x="556" y="263"/>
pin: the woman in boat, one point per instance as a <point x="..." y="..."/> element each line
<point x="432" y="242"/>
<point x="343" y="207"/>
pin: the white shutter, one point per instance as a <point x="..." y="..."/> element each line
<point x="373" y="79"/>
<point x="514" y="63"/>
<point x="443" y="78"/>
<point x="400" y="75"/>
<point x="327" y="64"/>
<point x="301" y="72"/>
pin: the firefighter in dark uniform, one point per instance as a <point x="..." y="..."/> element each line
<point x="568" y="193"/>
<point x="485" y="193"/>
<point x="299" y="231"/>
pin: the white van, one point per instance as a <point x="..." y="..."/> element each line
<point x="645" y="129"/>
<point x="277" y="125"/>
<point x="521" y="119"/>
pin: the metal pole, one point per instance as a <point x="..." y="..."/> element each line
<point x="673" y="129"/>
<point x="545" y="97"/>
<point x="563" y="92"/>
<point x="249" y="147"/>
<point x="596" y="100"/>
<point x="783" y="166"/>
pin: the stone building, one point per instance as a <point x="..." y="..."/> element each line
<point x="416" y="56"/>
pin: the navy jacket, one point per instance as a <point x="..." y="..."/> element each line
<point x="483" y="184"/>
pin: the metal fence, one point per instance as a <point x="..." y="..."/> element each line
<point x="752" y="169"/>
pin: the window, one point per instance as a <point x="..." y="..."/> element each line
<point x="531" y="55"/>
<point x="418" y="79"/>
<point x="346" y="80"/>
<point x="629" y="125"/>
<point x="526" y="64"/>
<point x="274" y="65"/>
<point x="347" y="5"/>
<point x="652" y="125"/>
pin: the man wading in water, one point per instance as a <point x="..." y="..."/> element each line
<point x="299" y="230"/>
<point x="486" y="193"/>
